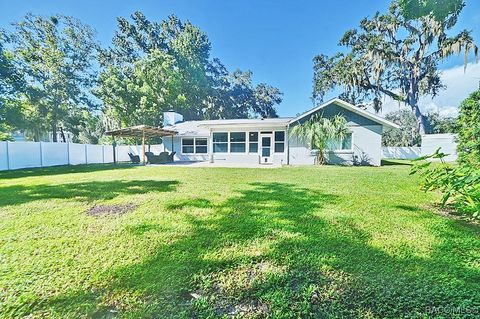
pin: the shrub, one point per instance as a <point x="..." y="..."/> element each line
<point x="469" y="130"/>
<point x="460" y="184"/>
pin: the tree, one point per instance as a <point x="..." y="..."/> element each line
<point x="318" y="131"/>
<point x="390" y="55"/>
<point x="11" y="84"/>
<point x="142" y="92"/>
<point x="440" y="9"/>
<point x="469" y="130"/>
<point x="188" y="81"/>
<point x="407" y="134"/>
<point x="441" y="124"/>
<point x="56" y="56"/>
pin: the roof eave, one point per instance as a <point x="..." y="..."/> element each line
<point x="350" y="107"/>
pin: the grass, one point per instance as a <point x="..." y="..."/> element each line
<point x="321" y="242"/>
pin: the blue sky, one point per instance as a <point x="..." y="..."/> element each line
<point x="275" y="39"/>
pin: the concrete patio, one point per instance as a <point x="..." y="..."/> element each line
<point x="219" y="164"/>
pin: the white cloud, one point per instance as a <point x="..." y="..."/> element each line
<point x="459" y="85"/>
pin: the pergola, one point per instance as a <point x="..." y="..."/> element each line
<point x="141" y="131"/>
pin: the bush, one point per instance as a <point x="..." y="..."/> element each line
<point x="460" y="184"/>
<point x="469" y="130"/>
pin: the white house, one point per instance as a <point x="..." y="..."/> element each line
<point x="267" y="141"/>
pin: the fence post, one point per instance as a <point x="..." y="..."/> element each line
<point x="8" y="158"/>
<point x="41" y="154"/>
<point x="86" y="155"/>
<point x="68" y="153"/>
<point x="103" y="154"/>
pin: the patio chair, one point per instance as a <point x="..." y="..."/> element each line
<point x="152" y="158"/>
<point x="134" y="158"/>
<point x="162" y="158"/>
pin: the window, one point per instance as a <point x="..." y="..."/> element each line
<point x="253" y="142"/>
<point x="194" y="145"/>
<point x="237" y="142"/>
<point x="188" y="146"/>
<point x="220" y="142"/>
<point x="343" y="144"/>
<point x="201" y="146"/>
<point x="279" y="141"/>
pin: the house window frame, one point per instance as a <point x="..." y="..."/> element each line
<point x="245" y="142"/>
<point x="227" y="142"/>
<point x="347" y="150"/>
<point x="279" y="142"/>
<point x="254" y="142"/>
<point x="203" y="145"/>
<point x="194" y="145"/>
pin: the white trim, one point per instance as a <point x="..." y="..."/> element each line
<point x="257" y="142"/>
<point x="247" y="125"/>
<point x="349" y="107"/>
<point x="271" y="136"/>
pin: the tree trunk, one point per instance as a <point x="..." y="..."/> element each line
<point x="421" y="119"/>
<point x="54" y="130"/>
<point x="63" y="135"/>
<point x="412" y="101"/>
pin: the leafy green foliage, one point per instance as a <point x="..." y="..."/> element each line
<point x="293" y="242"/>
<point x="407" y="134"/>
<point x="439" y="124"/>
<point x="153" y="67"/>
<point x="391" y="55"/>
<point x="11" y="85"/>
<point x="460" y="184"/>
<point x="56" y="56"/>
<point x="440" y="9"/>
<point x="317" y="131"/>
<point x="140" y="93"/>
<point x="469" y="130"/>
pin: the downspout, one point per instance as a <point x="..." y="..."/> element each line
<point x="288" y="143"/>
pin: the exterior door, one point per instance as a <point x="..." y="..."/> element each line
<point x="266" y="149"/>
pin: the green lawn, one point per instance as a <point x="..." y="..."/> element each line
<point x="322" y="242"/>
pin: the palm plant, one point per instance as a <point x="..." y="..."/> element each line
<point x="318" y="131"/>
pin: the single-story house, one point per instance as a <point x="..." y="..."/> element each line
<point x="267" y="141"/>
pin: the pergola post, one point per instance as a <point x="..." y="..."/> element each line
<point x="143" y="146"/>
<point x="143" y="132"/>
<point x="114" y="144"/>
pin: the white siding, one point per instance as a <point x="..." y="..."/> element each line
<point x="254" y="158"/>
<point x="177" y="147"/>
<point x="367" y="149"/>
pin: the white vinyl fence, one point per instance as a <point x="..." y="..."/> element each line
<point x="430" y="143"/>
<point x="16" y="155"/>
<point x="446" y="142"/>
<point x="391" y="152"/>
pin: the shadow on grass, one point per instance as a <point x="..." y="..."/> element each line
<point x="386" y="162"/>
<point x="270" y="251"/>
<point x="86" y="191"/>
<point x="60" y="170"/>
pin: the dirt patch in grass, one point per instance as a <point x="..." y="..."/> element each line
<point x="111" y="210"/>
